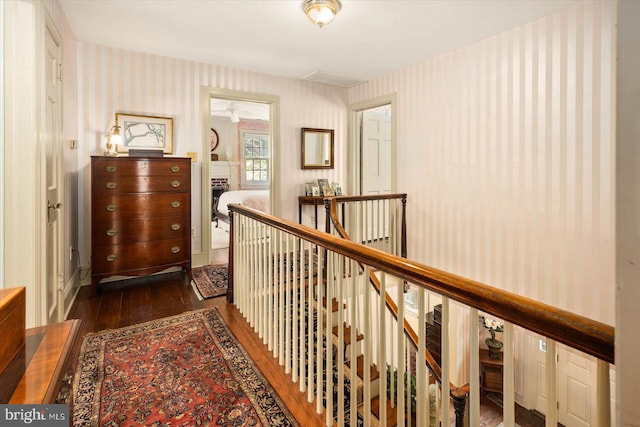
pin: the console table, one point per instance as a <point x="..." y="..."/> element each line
<point x="35" y="374"/>
<point x="314" y="201"/>
<point x="490" y="372"/>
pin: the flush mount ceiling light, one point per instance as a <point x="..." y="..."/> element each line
<point x="321" y="12"/>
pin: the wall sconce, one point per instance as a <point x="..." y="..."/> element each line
<point x="113" y="140"/>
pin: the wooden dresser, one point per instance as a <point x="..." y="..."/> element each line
<point x="141" y="216"/>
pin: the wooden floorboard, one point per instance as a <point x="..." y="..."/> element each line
<point x="125" y="303"/>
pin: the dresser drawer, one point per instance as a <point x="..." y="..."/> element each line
<point x="114" y="232"/>
<point x="119" y="184"/>
<point x="130" y="206"/>
<point x="136" y="256"/>
<point x="129" y="166"/>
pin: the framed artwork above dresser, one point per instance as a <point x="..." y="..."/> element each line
<point x="140" y="216"/>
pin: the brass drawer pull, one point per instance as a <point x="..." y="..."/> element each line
<point x="112" y="257"/>
<point x="112" y="208"/>
<point x="112" y="168"/>
<point x="112" y="232"/>
<point x="112" y="185"/>
<point x="175" y="227"/>
<point x="175" y="204"/>
<point x="175" y="249"/>
<point x="175" y="184"/>
<point x="175" y="168"/>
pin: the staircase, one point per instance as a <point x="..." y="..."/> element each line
<point x="353" y="373"/>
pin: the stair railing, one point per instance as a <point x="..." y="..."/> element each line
<point x="278" y="280"/>
<point x="386" y="213"/>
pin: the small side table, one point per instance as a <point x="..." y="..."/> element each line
<point x="314" y="201"/>
<point x="491" y="372"/>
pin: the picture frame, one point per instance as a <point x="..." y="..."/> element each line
<point x="323" y="182"/>
<point x="308" y="189"/>
<point x="337" y="189"/>
<point x="145" y="133"/>
<point x="315" y="190"/>
<point x="327" y="191"/>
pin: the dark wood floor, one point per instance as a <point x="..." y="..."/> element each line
<point x="121" y="304"/>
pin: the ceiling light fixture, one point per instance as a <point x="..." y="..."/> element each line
<point x="321" y="12"/>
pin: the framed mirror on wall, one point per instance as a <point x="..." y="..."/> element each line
<point x="317" y="148"/>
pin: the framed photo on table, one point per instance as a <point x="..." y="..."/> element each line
<point x="145" y="133"/>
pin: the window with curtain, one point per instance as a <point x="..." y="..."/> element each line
<point x="255" y="159"/>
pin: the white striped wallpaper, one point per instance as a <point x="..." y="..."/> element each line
<point x="506" y="150"/>
<point x="114" y="80"/>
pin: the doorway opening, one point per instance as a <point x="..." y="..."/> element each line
<point x="373" y="148"/>
<point x="239" y="155"/>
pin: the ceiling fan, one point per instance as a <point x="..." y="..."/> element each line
<point x="231" y="110"/>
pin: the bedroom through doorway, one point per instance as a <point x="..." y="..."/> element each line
<point x="240" y="140"/>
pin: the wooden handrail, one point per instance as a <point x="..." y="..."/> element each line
<point x="389" y="302"/>
<point x="587" y="335"/>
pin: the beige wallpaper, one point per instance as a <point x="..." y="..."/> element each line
<point x="507" y="154"/>
<point x="115" y="80"/>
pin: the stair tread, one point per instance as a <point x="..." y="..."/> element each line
<point x="347" y="333"/>
<point x="392" y="412"/>
<point x="334" y="304"/>
<point x="373" y="369"/>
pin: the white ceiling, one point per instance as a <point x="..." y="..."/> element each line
<point x="368" y="38"/>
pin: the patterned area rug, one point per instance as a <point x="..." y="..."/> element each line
<point x="209" y="281"/>
<point x="183" y="370"/>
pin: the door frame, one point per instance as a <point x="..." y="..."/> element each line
<point x="353" y="130"/>
<point x="202" y="258"/>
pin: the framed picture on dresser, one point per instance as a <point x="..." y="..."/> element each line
<point x="145" y="133"/>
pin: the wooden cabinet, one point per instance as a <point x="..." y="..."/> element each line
<point x="490" y="372"/>
<point x="141" y="216"/>
<point x="434" y="333"/>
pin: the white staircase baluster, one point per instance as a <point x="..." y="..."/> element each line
<point x="444" y="359"/>
<point x="508" y="396"/>
<point x="367" y="347"/>
<point x="336" y="276"/>
<point x="319" y="330"/>
<point x="551" y="375"/>
<point x="313" y="300"/>
<point x="603" y="392"/>
<point x="401" y="358"/>
<point x="474" y="369"/>
<point x="353" y="356"/>
<point x="329" y="358"/>
<point x="382" y="350"/>
<point x="422" y="385"/>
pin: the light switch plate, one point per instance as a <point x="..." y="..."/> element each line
<point x="193" y="156"/>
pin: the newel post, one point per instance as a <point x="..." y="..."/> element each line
<point x="403" y="237"/>
<point x="459" y="406"/>
<point x="230" y="264"/>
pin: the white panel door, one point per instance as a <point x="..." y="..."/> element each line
<point x="540" y="362"/>
<point x="576" y="385"/>
<point x="376" y="153"/>
<point x="52" y="143"/>
<point x="576" y="388"/>
<point x="376" y="168"/>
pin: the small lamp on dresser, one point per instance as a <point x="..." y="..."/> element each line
<point x="113" y="140"/>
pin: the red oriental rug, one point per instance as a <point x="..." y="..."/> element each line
<point x="184" y="370"/>
<point x="209" y="281"/>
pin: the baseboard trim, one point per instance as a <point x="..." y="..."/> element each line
<point x="71" y="291"/>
